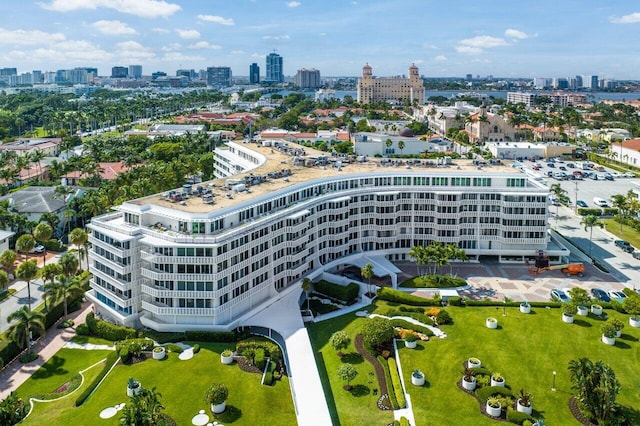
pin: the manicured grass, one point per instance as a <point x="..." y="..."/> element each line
<point x="628" y="233"/>
<point x="182" y="385"/>
<point x="526" y="349"/>
<point x="6" y="293"/>
<point x="58" y="370"/>
<point x="90" y="339"/>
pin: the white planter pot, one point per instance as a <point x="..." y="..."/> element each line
<point x="469" y="385"/>
<point x="493" y="411"/>
<point x="618" y="333"/>
<point x="497" y="383"/>
<point x="521" y="408"/>
<point x="583" y="311"/>
<point x="491" y="323"/>
<point x="218" y="408"/>
<point x="608" y="340"/>
<point x="411" y="345"/>
<point x="226" y="359"/>
<point x="596" y="309"/>
<point x="634" y="322"/>
<point x="471" y="364"/>
<point x="160" y="354"/>
<point x="133" y="392"/>
<point x="567" y="318"/>
<point x="417" y="381"/>
<point x="525" y="309"/>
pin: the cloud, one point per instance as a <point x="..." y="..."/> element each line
<point x="477" y="45"/>
<point x="179" y="57"/>
<point x="632" y="18"/>
<point x="237" y="52"/>
<point x="417" y="62"/>
<point x="293" y="3"/>
<point x="28" y="37"/>
<point x="113" y="27"/>
<point x="160" y="30"/>
<point x="171" y="47"/>
<point x="204" y="45"/>
<point x="188" y="34"/>
<point x="216" y="19"/>
<point x="440" y="58"/>
<point x="133" y="51"/>
<point x="276" y="37"/>
<point x="518" y="35"/>
<point x="141" y="8"/>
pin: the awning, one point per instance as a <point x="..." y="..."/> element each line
<point x="381" y="266"/>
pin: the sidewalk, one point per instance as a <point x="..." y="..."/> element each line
<point x="16" y="373"/>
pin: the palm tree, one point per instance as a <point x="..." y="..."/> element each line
<point x="143" y="410"/>
<point x="367" y="273"/>
<point x="49" y="273"/>
<point x="401" y="146"/>
<point x="69" y="264"/>
<point x="78" y="237"/>
<point x="62" y="289"/>
<point x="42" y="233"/>
<point x="418" y="254"/>
<point x="25" y="244"/>
<point x="620" y="202"/>
<point x="306" y="287"/>
<point x="4" y="279"/>
<point x="7" y="260"/>
<point x="26" y="322"/>
<point x="28" y="271"/>
<point x="589" y="221"/>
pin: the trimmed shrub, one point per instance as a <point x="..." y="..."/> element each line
<point x="107" y="330"/>
<point x="259" y="359"/>
<point x="434" y="281"/>
<point x="409" y="326"/>
<point x="268" y="379"/>
<point x="411" y="309"/>
<point x="162" y="338"/>
<point x="8" y="350"/>
<point x="588" y="211"/>
<point x="617" y="306"/>
<point x="486" y="392"/>
<point x="55" y="246"/>
<point x="112" y="358"/>
<point x="455" y="301"/>
<point x="271" y="349"/>
<point x="397" y="384"/>
<point x="196" y="348"/>
<point x="387" y="375"/>
<point x="517" y="417"/>
<point x="173" y="348"/>
<point x="404" y="421"/>
<point x="210" y="336"/>
<point x="124" y="354"/>
<point x="347" y="294"/>
<point x="444" y="318"/>
<point x="82" y="330"/>
<point x="28" y="357"/>
<point x="397" y="296"/>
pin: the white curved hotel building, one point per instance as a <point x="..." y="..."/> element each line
<point x="202" y="261"/>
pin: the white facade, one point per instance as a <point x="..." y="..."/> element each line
<point x="372" y="144"/>
<point x="194" y="266"/>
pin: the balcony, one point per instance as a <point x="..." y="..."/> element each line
<point x="154" y="291"/>
<point x="161" y="309"/>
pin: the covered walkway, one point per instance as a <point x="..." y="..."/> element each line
<point x="381" y="267"/>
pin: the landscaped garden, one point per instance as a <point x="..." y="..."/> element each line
<point x="525" y="349"/>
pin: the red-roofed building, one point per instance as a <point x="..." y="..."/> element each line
<point x="107" y="171"/>
<point x="627" y="152"/>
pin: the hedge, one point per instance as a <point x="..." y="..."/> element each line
<point x="486" y="392"/>
<point x="164" y="337"/>
<point x="517" y="417"/>
<point x="107" y="330"/>
<point x="404" y="421"/>
<point x="259" y="359"/>
<point x="268" y="379"/>
<point x="55" y="246"/>
<point x="173" y="348"/>
<point x="589" y="211"/>
<point x="488" y="302"/>
<point x="434" y="281"/>
<point x="415" y="315"/>
<point x="411" y="309"/>
<point x="347" y="294"/>
<point x="397" y="384"/>
<point x="8" y="350"/>
<point x="397" y="296"/>
<point x="387" y="375"/>
<point x="211" y="336"/>
<point x="271" y="349"/>
<point x="112" y="358"/>
<point x="396" y="322"/>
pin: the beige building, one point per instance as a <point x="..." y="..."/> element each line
<point x="485" y="127"/>
<point x="390" y="89"/>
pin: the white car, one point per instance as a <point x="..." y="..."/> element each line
<point x="617" y="295"/>
<point x="38" y="248"/>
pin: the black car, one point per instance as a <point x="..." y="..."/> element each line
<point x="600" y="294"/>
<point x="625" y="246"/>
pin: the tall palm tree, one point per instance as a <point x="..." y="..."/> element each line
<point x="26" y="322"/>
<point x="25" y="244"/>
<point x="401" y="146"/>
<point x="64" y="288"/>
<point x="69" y="264"/>
<point x="4" y="279"/>
<point x="589" y="221"/>
<point x="42" y="233"/>
<point x="620" y="202"/>
<point x="49" y="273"/>
<point x="78" y="237"/>
<point x="367" y="273"/>
<point x="7" y="260"/>
<point x="417" y="253"/>
<point x="27" y="271"/>
<point x="306" y="287"/>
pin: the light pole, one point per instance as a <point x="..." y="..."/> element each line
<point x="575" y="206"/>
<point x="553" y="385"/>
<point x="504" y="307"/>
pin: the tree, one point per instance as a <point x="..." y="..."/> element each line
<point x="28" y="271"/>
<point x="589" y="221"/>
<point x="42" y="233"/>
<point x="401" y="146"/>
<point x="69" y="264"/>
<point x="418" y="253"/>
<point x="12" y="409"/>
<point x="143" y="409"/>
<point x="216" y="394"/>
<point x="306" y="287"/>
<point x="339" y="340"/>
<point x="597" y="388"/>
<point x="620" y="202"/>
<point x="7" y="260"/>
<point x="367" y="273"/>
<point x="78" y="237"/>
<point x="48" y="273"/>
<point x="631" y="304"/>
<point x="347" y="372"/>
<point x="63" y="288"/>
<point x="26" y="323"/>
<point x="4" y="279"/>
<point x="377" y="331"/>
<point x="25" y="244"/>
<point x="559" y="193"/>
<point x="388" y="143"/>
<point x="579" y="296"/>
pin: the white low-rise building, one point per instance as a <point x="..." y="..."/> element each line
<point x="379" y="144"/>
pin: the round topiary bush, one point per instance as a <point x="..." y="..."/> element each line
<point x="216" y="394"/>
<point x="377" y="331"/>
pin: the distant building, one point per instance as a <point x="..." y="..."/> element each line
<point x="135" y="71"/>
<point x="8" y="71"/>
<point x="526" y="98"/>
<point x="275" y="72"/>
<point x="390" y="89"/>
<point x="325" y="94"/>
<point x="50" y="147"/>
<point x="119" y="72"/>
<point x="158" y="74"/>
<point x="308" y="79"/>
<point x="190" y="74"/>
<point x="254" y="73"/>
<point x="590" y="82"/>
<point x="219" y="76"/>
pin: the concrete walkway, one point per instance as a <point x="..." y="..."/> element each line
<point x="16" y="373"/>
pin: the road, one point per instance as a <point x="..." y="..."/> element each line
<point x="20" y="299"/>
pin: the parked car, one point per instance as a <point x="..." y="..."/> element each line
<point x="624" y="245"/>
<point x="38" y="248"/>
<point x="608" y="176"/>
<point x="581" y="203"/>
<point x="617" y="295"/>
<point x="636" y="254"/>
<point x="571" y="165"/>
<point x="629" y="175"/>
<point x="559" y="294"/>
<point x="600" y="294"/>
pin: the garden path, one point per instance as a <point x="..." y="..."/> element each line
<point x="436" y="331"/>
<point x="89" y="346"/>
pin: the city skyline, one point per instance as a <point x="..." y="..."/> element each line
<point x="541" y="39"/>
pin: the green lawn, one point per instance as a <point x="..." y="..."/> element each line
<point x="628" y="233"/>
<point x="182" y="385"/>
<point x="526" y="349"/>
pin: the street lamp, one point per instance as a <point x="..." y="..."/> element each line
<point x="504" y="307"/>
<point x="553" y="385"/>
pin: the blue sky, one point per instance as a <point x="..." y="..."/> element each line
<point x="523" y="38"/>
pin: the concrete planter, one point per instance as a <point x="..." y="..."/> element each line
<point x="159" y="353"/>
<point x="411" y="345"/>
<point x="469" y="385"/>
<point x="219" y="408"/>
<point x="499" y="383"/>
<point x="523" y="408"/>
<point x="583" y="311"/>
<point x="417" y="379"/>
<point x="474" y="363"/>
<point x="618" y="333"/>
<point x="608" y="340"/>
<point x="596" y="309"/>
<point x="494" y="411"/>
<point x="131" y="392"/>
<point x="567" y="318"/>
<point x="491" y="322"/>
<point x="525" y="308"/>
<point x="226" y="359"/>
<point x="634" y="322"/>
